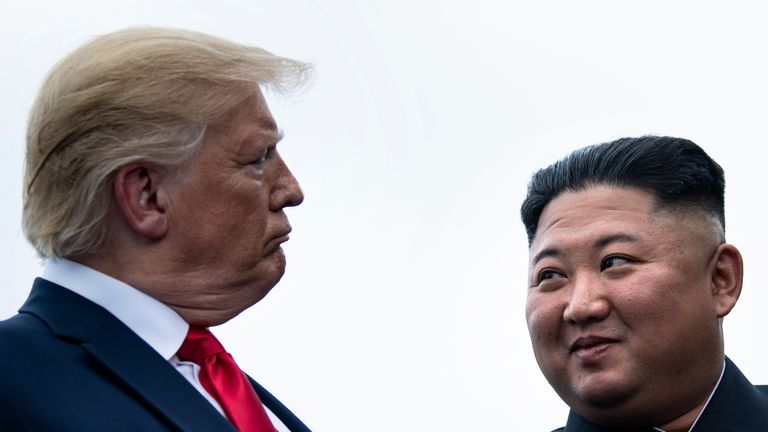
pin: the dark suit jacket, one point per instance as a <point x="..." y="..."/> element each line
<point x="736" y="406"/>
<point x="66" y="364"/>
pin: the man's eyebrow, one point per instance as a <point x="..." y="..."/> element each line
<point x="549" y="252"/>
<point x="614" y="238"/>
<point x="598" y="244"/>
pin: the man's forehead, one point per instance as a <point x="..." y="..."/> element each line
<point x="252" y="110"/>
<point x="578" y="207"/>
<point x="249" y="123"/>
<point x="592" y="218"/>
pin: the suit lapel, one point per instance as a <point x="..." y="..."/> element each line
<point x="736" y="406"/>
<point x="134" y="364"/>
<point x="140" y="368"/>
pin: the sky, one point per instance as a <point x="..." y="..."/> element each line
<point x="403" y="303"/>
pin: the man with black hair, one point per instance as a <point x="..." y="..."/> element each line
<point x="630" y="278"/>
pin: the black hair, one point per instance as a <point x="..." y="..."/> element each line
<point x="676" y="171"/>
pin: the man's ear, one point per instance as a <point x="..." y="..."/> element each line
<point x="727" y="276"/>
<point x="141" y="200"/>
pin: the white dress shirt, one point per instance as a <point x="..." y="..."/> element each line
<point x="154" y="322"/>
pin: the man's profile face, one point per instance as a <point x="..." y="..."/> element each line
<point x="620" y="308"/>
<point x="227" y="216"/>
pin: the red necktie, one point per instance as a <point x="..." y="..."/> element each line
<point x="221" y="377"/>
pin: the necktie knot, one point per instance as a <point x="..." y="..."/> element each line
<point x="199" y="345"/>
<point x="223" y="380"/>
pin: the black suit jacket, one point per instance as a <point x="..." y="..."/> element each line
<point x="66" y="364"/>
<point x="736" y="406"/>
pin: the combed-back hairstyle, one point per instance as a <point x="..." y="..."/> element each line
<point x="676" y="171"/>
<point x="139" y="94"/>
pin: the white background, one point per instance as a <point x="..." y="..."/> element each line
<point x="403" y="305"/>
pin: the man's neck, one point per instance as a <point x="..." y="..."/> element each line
<point x="686" y="422"/>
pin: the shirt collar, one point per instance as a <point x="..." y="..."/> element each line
<point x="157" y="324"/>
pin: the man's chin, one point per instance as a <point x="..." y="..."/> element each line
<point x="274" y="263"/>
<point x="220" y="316"/>
<point x="602" y="392"/>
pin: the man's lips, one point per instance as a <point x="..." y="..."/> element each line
<point x="279" y="239"/>
<point x="591" y="345"/>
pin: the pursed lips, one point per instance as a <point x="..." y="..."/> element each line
<point x="281" y="237"/>
<point x="284" y="233"/>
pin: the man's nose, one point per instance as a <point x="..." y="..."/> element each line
<point x="587" y="301"/>
<point x="286" y="192"/>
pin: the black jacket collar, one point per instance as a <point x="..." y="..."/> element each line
<point x="736" y="406"/>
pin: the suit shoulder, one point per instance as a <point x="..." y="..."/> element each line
<point x="22" y="335"/>
<point x="22" y="347"/>
<point x="20" y="325"/>
<point x="762" y="389"/>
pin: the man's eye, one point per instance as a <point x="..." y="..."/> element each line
<point x="547" y="275"/>
<point x="613" y="261"/>
<point x="260" y="162"/>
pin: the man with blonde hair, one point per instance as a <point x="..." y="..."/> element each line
<point x="155" y="193"/>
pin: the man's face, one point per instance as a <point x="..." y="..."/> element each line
<point x="620" y="306"/>
<point x="226" y="215"/>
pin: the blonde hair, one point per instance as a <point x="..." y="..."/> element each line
<point x="139" y="94"/>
